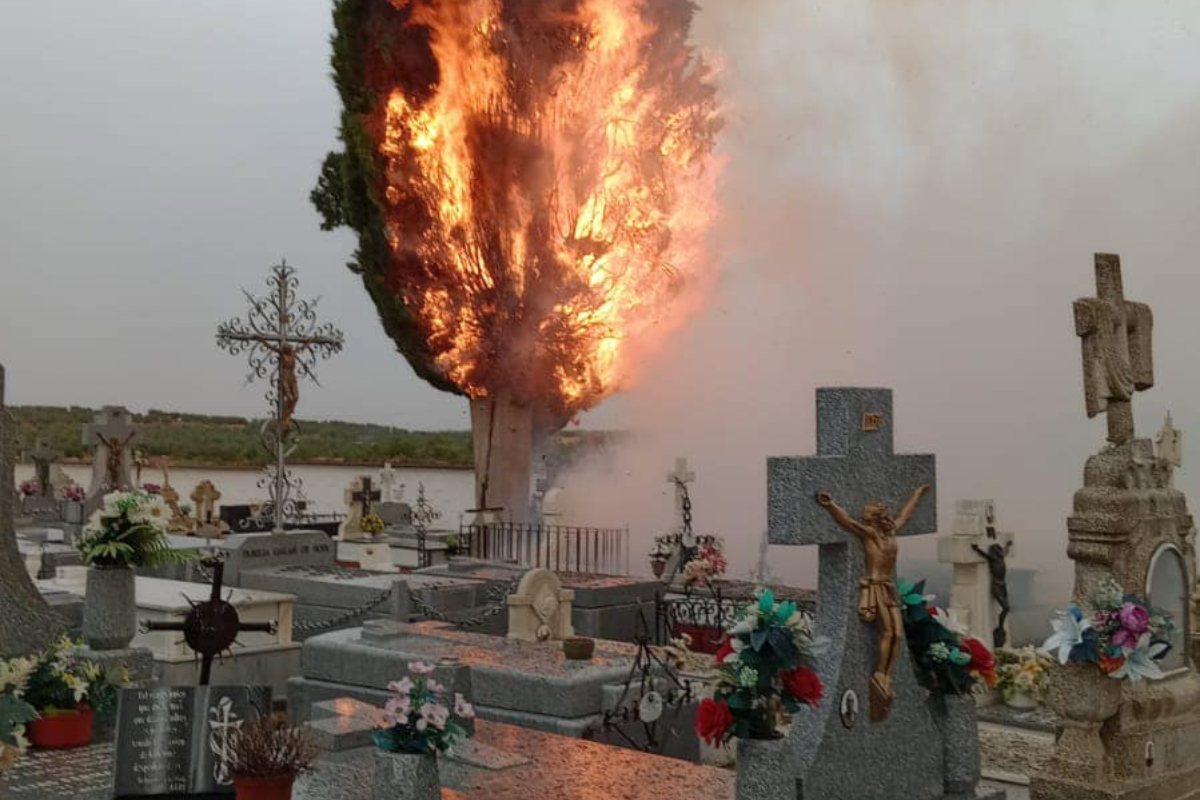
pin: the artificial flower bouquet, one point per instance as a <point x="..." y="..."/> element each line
<point x="72" y="493"/>
<point x="1120" y="633"/>
<point x="764" y="669"/>
<point x="15" y="711"/>
<point x="709" y="562"/>
<point x="62" y="681"/>
<point x="1022" y="672"/>
<point x="29" y="488"/>
<point x="372" y="524"/>
<point x="130" y="529"/>
<point x="421" y="717"/>
<point x="947" y="659"/>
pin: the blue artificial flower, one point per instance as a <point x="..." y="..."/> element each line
<point x="1140" y="662"/>
<point x="1068" y="627"/>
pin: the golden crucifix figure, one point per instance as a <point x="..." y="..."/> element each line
<point x="878" y="600"/>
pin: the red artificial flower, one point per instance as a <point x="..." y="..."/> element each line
<point x="725" y="651"/>
<point x="982" y="660"/>
<point x="713" y="719"/>
<point x="805" y="685"/>
<point x="1110" y="665"/>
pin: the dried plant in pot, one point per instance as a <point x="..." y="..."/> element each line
<point x="267" y="755"/>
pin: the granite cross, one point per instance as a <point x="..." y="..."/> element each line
<point x="211" y="627"/>
<point x="111" y="433"/>
<point x="27" y="623"/>
<point x="856" y="464"/>
<point x="43" y="456"/>
<point x="1117" y="356"/>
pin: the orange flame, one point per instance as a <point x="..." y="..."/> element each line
<point x="548" y="191"/>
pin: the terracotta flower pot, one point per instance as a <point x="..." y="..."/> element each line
<point x="61" y="730"/>
<point x="110" y="613"/>
<point x="579" y="648"/>
<point x="276" y="787"/>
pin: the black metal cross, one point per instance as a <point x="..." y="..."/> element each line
<point x="211" y="627"/>
<point x="366" y="496"/>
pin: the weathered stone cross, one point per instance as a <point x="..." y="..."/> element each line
<point x="1117" y="355"/>
<point x="856" y="465"/>
<point x="26" y="622"/>
<point x="43" y="456"/>
<point x="111" y="434"/>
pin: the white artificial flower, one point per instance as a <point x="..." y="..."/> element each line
<point x="1068" y="632"/>
<point x="420" y="668"/>
<point x="462" y="708"/>
<point x="745" y="625"/>
<point x="153" y="511"/>
<point x="1142" y="661"/>
<point x="950" y="621"/>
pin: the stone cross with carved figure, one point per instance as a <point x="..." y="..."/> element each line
<point x="43" y="457"/>
<point x="834" y="754"/>
<point x="110" y="433"/>
<point x="1118" y="358"/>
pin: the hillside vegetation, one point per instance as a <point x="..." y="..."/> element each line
<point x="202" y="440"/>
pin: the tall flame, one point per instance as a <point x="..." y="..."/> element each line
<point x="546" y="185"/>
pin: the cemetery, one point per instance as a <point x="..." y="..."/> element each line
<point x="865" y="612"/>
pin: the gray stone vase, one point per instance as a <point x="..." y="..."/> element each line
<point x="110" y="610"/>
<point x="764" y="770"/>
<point x="955" y="717"/>
<point x="405" y="776"/>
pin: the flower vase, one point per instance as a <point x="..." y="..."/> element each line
<point x="658" y="566"/>
<point x="954" y="716"/>
<point x="764" y="770"/>
<point x="406" y="776"/>
<point x="1022" y="701"/>
<point x="110" y="612"/>
<point x="1084" y="698"/>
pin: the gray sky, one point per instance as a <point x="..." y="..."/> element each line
<point x="911" y="198"/>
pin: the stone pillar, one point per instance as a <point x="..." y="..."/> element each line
<point x="971" y="591"/>
<point x="502" y="433"/>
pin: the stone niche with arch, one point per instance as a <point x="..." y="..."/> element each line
<point x="1168" y="588"/>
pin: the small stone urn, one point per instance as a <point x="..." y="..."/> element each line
<point x="954" y="715"/>
<point x="764" y="770"/>
<point x="110" y="611"/>
<point x="406" y="776"/>
<point x="1083" y="697"/>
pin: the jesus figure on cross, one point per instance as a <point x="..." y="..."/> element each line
<point x="877" y="596"/>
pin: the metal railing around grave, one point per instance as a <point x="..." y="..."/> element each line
<point x="701" y="613"/>
<point x="562" y="548"/>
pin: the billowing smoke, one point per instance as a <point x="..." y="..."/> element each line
<point x="912" y="197"/>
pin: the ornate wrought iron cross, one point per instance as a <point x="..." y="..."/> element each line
<point x="283" y="341"/>
<point x="211" y="627"/>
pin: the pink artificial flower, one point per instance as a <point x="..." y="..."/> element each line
<point x="435" y="687"/>
<point x="462" y="708"/>
<point x="1135" y="620"/>
<point x="436" y="715"/>
<point x="396" y="710"/>
<point x="420" y="668"/>
<point x="402" y="686"/>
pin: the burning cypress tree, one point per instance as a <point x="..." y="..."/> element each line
<point x="529" y="181"/>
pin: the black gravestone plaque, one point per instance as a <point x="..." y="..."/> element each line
<point x="173" y="741"/>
